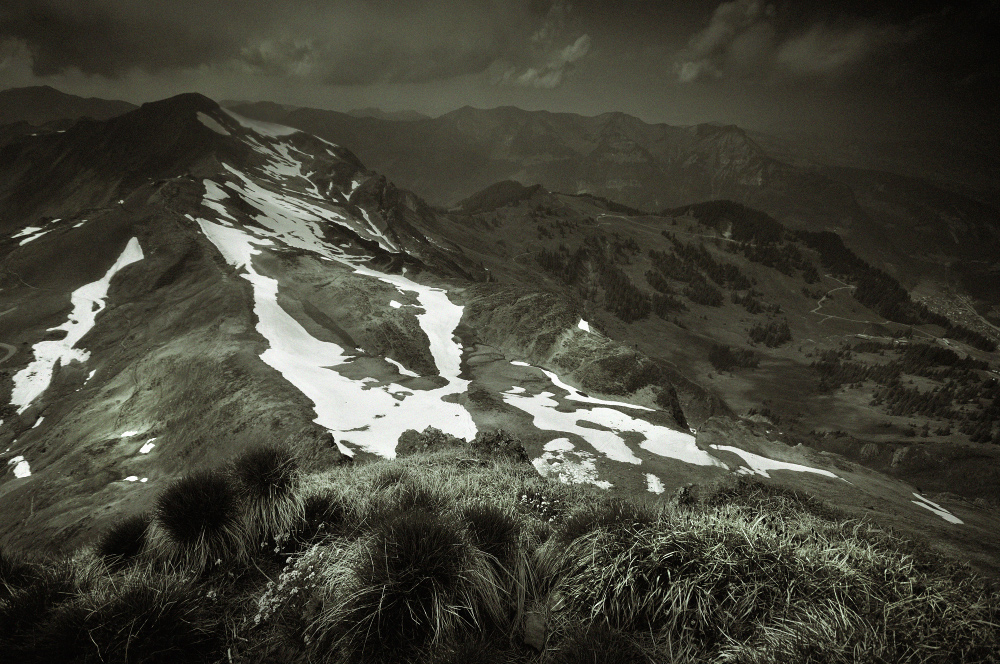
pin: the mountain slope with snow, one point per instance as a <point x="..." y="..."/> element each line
<point x="206" y="280"/>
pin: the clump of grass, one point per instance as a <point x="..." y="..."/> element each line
<point x="15" y="572"/>
<point x="734" y="583"/>
<point x="494" y="531"/>
<point x="597" y="644"/>
<point x="474" y="648"/>
<point x="142" y="617"/>
<point x="122" y="543"/>
<point x="25" y="611"/>
<point x="415" y="581"/>
<point x="324" y="514"/>
<point x="267" y="479"/>
<point x="618" y="516"/>
<point x="197" y="521"/>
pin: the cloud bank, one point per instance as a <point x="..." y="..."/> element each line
<point x="749" y="39"/>
<point x="338" y="42"/>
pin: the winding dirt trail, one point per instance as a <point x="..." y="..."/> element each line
<point x="11" y="350"/>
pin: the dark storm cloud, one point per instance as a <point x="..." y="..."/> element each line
<point x="753" y="39"/>
<point x="111" y="37"/>
<point x="334" y="41"/>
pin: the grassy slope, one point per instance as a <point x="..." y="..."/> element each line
<point x="462" y="555"/>
<point x="508" y="240"/>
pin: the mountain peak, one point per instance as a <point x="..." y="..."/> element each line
<point x="40" y="104"/>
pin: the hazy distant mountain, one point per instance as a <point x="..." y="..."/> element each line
<point x="41" y="104"/>
<point x="398" y="116"/>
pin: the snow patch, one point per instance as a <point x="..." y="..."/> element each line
<point x="38" y="422"/>
<point x="132" y="478"/>
<point x="558" y="445"/>
<point x="79" y="223"/>
<point x="569" y="466"/>
<point x="403" y="370"/>
<point x="583" y="325"/>
<point x="658" y="439"/>
<point x="653" y="484"/>
<point x="937" y="509"/>
<point x="214" y="195"/>
<point x="519" y="363"/>
<point x="262" y="128"/>
<point x="148" y="447"/>
<point x="27" y="230"/>
<point x="394" y="304"/>
<point x="212" y="124"/>
<point x="21" y="467"/>
<point x="576" y="395"/>
<point x="761" y="465"/>
<point x="87" y="301"/>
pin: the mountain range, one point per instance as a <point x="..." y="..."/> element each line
<point x="181" y="280"/>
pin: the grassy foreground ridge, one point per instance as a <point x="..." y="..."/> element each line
<point x="463" y="554"/>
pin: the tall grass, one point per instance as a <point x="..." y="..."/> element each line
<point x="428" y="559"/>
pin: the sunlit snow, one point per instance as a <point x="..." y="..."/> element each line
<point x="576" y="395"/>
<point x="212" y="124"/>
<point x="653" y="484"/>
<point x="583" y="325"/>
<point x="760" y="465"/>
<point x="369" y="416"/>
<point x="38" y="422"/>
<point x="262" y="128"/>
<point x="27" y="230"/>
<point x="21" y="467"/>
<point x="129" y="434"/>
<point x="148" y="447"/>
<point x="394" y="304"/>
<point x="403" y="370"/>
<point x="87" y="301"/>
<point x="213" y="197"/>
<point x="559" y="459"/>
<point x="659" y="440"/>
<point x="32" y="233"/>
<point x="937" y="509"/>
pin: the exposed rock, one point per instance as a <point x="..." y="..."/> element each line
<point x="500" y="444"/>
<point x="429" y="440"/>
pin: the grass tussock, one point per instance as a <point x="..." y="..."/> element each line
<point x="429" y="559"/>
<point x="122" y="543"/>
<point x="267" y="480"/>
<point x="197" y="521"/>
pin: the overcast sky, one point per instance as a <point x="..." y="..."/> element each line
<point x="870" y="68"/>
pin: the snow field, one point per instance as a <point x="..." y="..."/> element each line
<point x="88" y="302"/>
<point x="368" y="414"/>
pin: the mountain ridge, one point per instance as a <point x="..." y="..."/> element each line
<point x="286" y="292"/>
